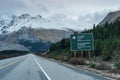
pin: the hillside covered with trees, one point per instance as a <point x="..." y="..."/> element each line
<point x="107" y="39"/>
<point x="106" y="47"/>
<point x="11" y="53"/>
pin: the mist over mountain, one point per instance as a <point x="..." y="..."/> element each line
<point x="14" y="23"/>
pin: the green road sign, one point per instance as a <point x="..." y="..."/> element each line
<point x="82" y="41"/>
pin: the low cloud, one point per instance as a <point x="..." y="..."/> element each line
<point x="89" y="20"/>
<point x="21" y="6"/>
<point x="89" y="11"/>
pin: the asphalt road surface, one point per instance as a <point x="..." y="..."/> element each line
<point x="31" y="67"/>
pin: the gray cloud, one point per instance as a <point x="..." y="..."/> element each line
<point x="72" y="8"/>
<point x="90" y="11"/>
<point x="7" y="6"/>
<point x="21" y="6"/>
<point x="89" y="19"/>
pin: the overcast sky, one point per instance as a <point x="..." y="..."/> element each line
<point x="87" y="12"/>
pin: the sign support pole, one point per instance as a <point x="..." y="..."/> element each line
<point x="75" y="54"/>
<point x="82" y="54"/>
<point x="89" y="55"/>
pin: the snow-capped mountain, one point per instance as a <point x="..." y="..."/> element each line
<point x="34" y="33"/>
<point x="15" y="23"/>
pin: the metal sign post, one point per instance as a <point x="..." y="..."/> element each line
<point x="89" y="55"/>
<point x="75" y="54"/>
<point x="82" y="54"/>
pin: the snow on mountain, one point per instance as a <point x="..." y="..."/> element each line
<point x="14" y="23"/>
<point x="34" y="33"/>
<point x="64" y="23"/>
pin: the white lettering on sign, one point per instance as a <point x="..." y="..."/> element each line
<point x="82" y="45"/>
<point x="81" y="37"/>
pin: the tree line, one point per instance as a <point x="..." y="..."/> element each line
<point x="11" y="53"/>
<point x="106" y="40"/>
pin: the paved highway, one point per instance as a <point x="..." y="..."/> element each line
<point x="31" y="67"/>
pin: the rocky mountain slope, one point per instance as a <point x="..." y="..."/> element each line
<point x="35" y="39"/>
<point x="112" y="16"/>
<point x="34" y="33"/>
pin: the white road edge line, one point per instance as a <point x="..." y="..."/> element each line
<point x="41" y="68"/>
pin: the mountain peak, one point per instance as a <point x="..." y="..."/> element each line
<point x="115" y="11"/>
<point x="23" y="16"/>
<point x="15" y="23"/>
<point x="38" y="16"/>
<point x="112" y="16"/>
